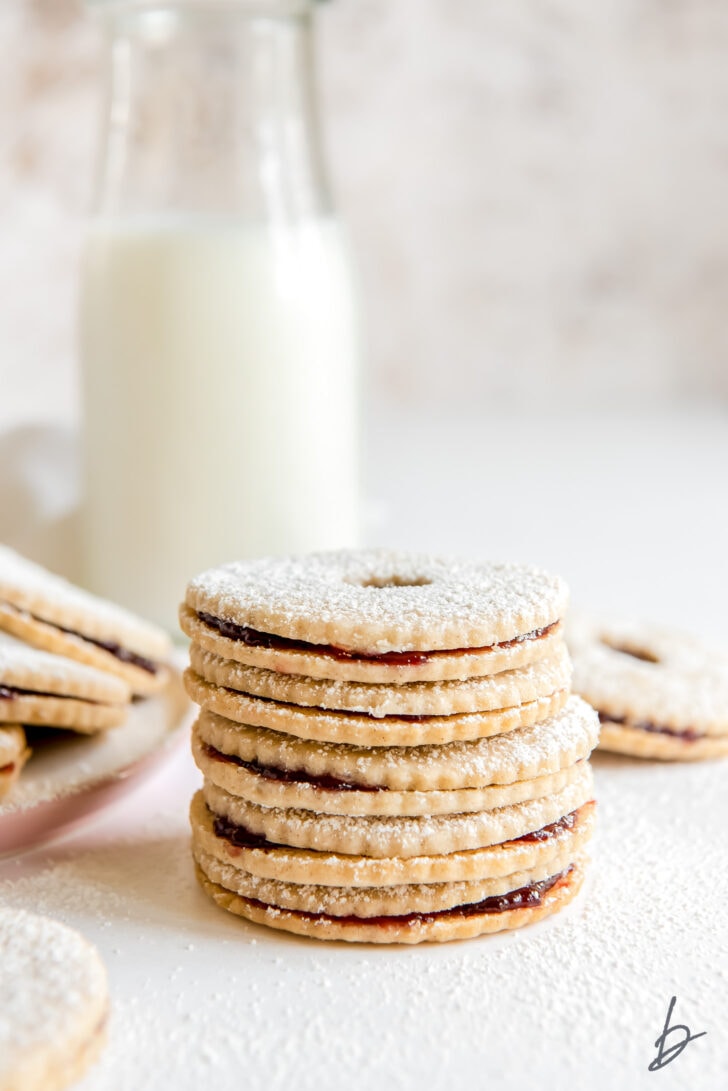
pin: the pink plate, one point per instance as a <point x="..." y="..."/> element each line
<point x="70" y="778"/>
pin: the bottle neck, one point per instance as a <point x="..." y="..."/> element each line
<point x="211" y="111"/>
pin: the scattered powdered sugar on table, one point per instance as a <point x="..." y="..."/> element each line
<point x="200" y="998"/>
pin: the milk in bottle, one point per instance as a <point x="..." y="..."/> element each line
<point x="218" y="324"/>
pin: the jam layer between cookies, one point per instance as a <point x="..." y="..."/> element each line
<point x="687" y="734"/>
<point x="243" y="838"/>
<point x="110" y="646"/>
<point x="10" y="693"/>
<point x="253" y="638"/>
<point x="324" y="781"/>
<point x="526" y="897"/>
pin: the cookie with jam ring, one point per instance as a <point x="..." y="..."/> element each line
<point x="498" y="913"/>
<point x="232" y="843"/>
<point x="660" y="693"/>
<point x="51" y="614"/>
<point x="376" y="615"/>
<point x="40" y="689"/>
<point x="278" y="771"/>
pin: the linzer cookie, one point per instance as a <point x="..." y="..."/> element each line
<point x="266" y="768"/>
<point x="230" y="640"/>
<point x="234" y="844"/>
<point x="14" y="753"/>
<point x="42" y="689"/>
<point x="361" y="729"/>
<point x="49" y="613"/>
<point x="660" y="693"/>
<point x="376" y="901"/>
<point x="482" y="694"/>
<point x="55" y="1003"/>
<point x="376" y="615"/>
<point x="545" y="747"/>
<point x="510" y="911"/>
<point x="388" y="744"/>
<point x="399" y="835"/>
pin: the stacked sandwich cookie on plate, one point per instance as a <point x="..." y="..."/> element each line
<point x="41" y="689"/>
<point x="389" y="745"/>
<point x="67" y="660"/>
<point x="49" y="613"/>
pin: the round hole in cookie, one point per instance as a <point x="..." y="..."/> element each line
<point x="631" y="650"/>
<point x="382" y="583"/>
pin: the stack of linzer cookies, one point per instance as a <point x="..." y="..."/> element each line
<point x="67" y="660"/>
<point x="390" y="747"/>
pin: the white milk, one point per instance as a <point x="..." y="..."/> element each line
<point x="219" y="363"/>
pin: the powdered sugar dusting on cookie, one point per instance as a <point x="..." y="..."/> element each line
<point x="54" y="996"/>
<point x="371" y="901"/>
<point x="482" y="694"/>
<point x="651" y="674"/>
<point x="28" y="668"/>
<point x="30" y="587"/>
<point x="502" y="759"/>
<point x="382" y="600"/>
<point x="400" y="836"/>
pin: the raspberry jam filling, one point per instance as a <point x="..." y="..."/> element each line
<point x="9" y="693"/>
<point x="110" y="646"/>
<point x="252" y="638"/>
<point x="395" y="718"/>
<point x="526" y="897"/>
<point x="689" y="734"/>
<point x="122" y="654"/>
<point x="322" y="781"/>
<point x="244" y="838"/>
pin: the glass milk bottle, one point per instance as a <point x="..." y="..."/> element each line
<point x="218" y="325"/>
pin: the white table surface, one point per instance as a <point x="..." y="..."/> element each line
<point x="632" y="513"/>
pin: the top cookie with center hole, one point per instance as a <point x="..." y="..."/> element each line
<point x="378" y="601"/>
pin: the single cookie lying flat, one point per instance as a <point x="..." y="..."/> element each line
<point x="232" y="844"/>
<point x="40" y="688"/>
<point x="54" y="1003"/>
<point x="659" y="693"/>
<point x="373" y="602"/>
<point x="51" y="614"/>
<point x="14" y="752"/>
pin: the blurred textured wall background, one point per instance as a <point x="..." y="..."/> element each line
<point x="536" y="188"/>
